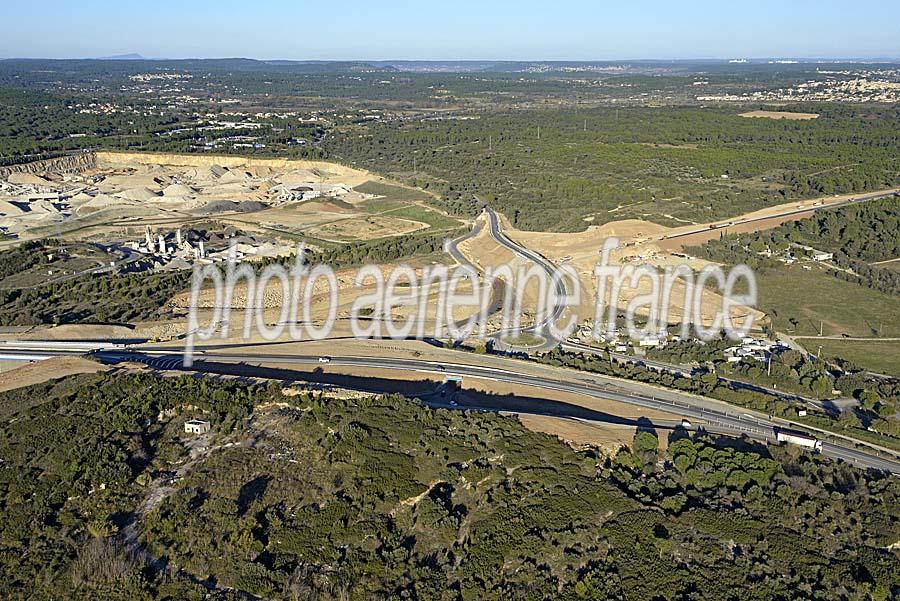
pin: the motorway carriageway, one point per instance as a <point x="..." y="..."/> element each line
<point x="796" y="211"/>
<point x="579" y="383"/>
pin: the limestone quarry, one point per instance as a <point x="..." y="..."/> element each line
<point x="57" y="196"/>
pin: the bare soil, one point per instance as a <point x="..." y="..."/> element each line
<point x="781" y="115"/>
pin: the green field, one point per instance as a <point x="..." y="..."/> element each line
<point x="392" y="192"/>
<point x="876" y="355"/>
<point x="405" y="203"/>
<point x="799" y="301"/>
<point x="892" y="266"/>
<point x="419" y="213"/>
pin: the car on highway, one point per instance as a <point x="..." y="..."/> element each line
<point x="324" y="359"/>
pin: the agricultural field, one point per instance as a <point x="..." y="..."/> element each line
<point x="366" y="228"/>
<point x="879" y="356"/>
<point x="799" y="301"/>
<point x="780" y="115"/>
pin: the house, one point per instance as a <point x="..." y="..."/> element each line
<point x="196" y="426"/>
<point x="822" y="256"/>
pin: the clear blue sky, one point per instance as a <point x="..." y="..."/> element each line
<point x="454" y="29"/>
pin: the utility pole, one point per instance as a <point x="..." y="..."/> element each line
<point x="490" y="143"/>
<point x="415" y="169"/>
<point x="539" y="132"/>
<point x="821" y="324"/>
<point x="585" y="126"/>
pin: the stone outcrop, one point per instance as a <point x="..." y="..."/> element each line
<point x="71" y="163"/>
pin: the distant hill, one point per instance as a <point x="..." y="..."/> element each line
<point x="133" y="56"/>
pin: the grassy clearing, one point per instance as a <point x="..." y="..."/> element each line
<point x="433" y="218"/>
<point x="404" y="203"/>
<point x="524" y="339"/>
<point x="892" y="266"/>
<point x="368" y="228"/>
<point x="878" y="356"/>
<point x="393" y="192"/>
<point x="800" y="300"/>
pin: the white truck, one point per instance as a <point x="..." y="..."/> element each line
<point x="798" y="438"/>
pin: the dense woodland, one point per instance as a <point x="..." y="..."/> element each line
<point x="36" y="125"/>
<point x="379" y="498"/>
<point x="861" y="232"/>
<point x="92" y="299"/>
<point x="565" y="169"/>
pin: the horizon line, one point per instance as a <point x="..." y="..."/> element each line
<point x="138" y="57"/>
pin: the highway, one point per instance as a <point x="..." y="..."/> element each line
<point x="788" y="213"/>
<point x="539" y="328"/>
<point x="686" y="371"/>
<point x="713" y="415"/>
<point x="560" y="290"/>
<point x="559" y="308"/>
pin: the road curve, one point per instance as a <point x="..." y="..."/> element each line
<point x="451" y="247"/>
<point x="540" y="328"/>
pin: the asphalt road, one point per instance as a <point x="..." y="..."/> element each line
<point x="452" y="247"/>
<point x="711" y="414"/>
<point x="687" y="371"/>
<point x="739" y="221"/>
<point x="539" y="328"/>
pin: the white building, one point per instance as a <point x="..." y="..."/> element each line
<point x="196" y="426"/>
